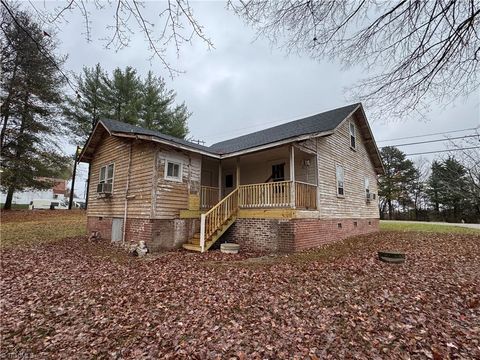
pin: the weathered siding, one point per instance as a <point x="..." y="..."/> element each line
<point x="335" y="149"/>
<point x="172" y="196"/>
<point x="116" y="150"/>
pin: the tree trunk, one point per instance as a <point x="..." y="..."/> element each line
<point x="8" y="200"/>
<point x="390" y="209"/>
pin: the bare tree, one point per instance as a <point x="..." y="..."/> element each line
<point x="415" y="52"/>
<point x="174" y="26"/>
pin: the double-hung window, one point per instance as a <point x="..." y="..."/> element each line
<point x="106" y="174"/>
<point x="367" y="187"/>
<point x="173" y="170"/>
<point x="353" y="135"/>
<point x="340" y="175"/>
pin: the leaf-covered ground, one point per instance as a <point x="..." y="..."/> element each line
<point x="74" y="299"/>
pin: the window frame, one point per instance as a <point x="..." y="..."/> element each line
<point x="106" y="178"/>
<point x="339" y="166"/>
<point x="366" y="186"/>
<point x="280" y="168"/>
<point x="353" y="135"/>
<point x="178" y="178"/>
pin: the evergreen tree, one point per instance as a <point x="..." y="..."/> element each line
<point x="448" y="188"/>
<point x="31" y="94"/>
<point x="396" y="184"/>
<point x="84" y="109"/>
<point x="125" y="97"/>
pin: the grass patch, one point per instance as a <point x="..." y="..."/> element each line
<point x="17" y="206"/>
<point x="427" y="227"/>
<point x="33" y="227"/>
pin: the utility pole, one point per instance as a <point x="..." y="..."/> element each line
<point x="70" y="202"/>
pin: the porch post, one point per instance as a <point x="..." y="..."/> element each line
<point x="292" y="176"/>
<point x="219" y="180"/>
<point x="238" y="172"/>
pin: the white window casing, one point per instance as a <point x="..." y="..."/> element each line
<point x="353" y="134"/>
<point x="367" y="186"/>
<point x="173" y="170"/>
<point x="340" y="177"/>
<point x="106" y="174"/>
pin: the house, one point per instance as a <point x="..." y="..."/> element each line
<point x="290" y="187"/>
<point x="58" y="191"/>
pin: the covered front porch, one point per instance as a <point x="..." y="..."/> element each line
<point x="284" y="177"/>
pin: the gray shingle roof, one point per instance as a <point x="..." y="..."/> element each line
<point x="325" y="121"/>
<point x="121" y="127"/>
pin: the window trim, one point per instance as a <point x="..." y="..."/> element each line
<point x="180" y="170"/>
<point x="354" y="135"/>
<point x="366" y="185"/>
<point x="336" y="180"/>
<point x="105" y="181"/>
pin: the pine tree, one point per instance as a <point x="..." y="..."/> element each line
<point x="88" y="105"/>
<point x="396" y="184"/>
<point x="125" y="97"/>
<point x="31" y="96"/>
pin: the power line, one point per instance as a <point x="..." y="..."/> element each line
<point x="417" y="136"/>
<point x="441" y="151"/>
<point x="435" y="140"/>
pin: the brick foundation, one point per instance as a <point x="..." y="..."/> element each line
<point x="158" y="234"/>
<point x="275" y="235"/>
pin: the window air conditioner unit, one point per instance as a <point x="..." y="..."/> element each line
<point x="104" y="189"/>
<point x="368" y="197"/>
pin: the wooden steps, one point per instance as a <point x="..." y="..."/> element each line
<point x="194" y="243"/>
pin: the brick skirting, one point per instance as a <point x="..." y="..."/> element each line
<point x="157" y="234"/>
<point x="271" y="235"/>
<point x="275" y="235"/>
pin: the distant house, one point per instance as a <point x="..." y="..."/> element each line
<point x="57" y="191"/>
<point x="290" y="187"/>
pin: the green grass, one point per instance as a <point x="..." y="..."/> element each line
<point x="17" y="206"/>
<point x="34" y="227"/>
<point x="427" y="227"/>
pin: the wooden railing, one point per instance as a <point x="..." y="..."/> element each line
<point x="213" y="219"/>
<point x="274" y="194"/>
<point x="208" y="197"/>
<point x="305" y="195"/>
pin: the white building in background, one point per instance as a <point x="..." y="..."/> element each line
<point x="58" y="192"/>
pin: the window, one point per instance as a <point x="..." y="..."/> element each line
<point x="173" y="170"/>
<point x="353" y="135"/>
<point x="340" y="181"/>
<point x="106" y="174"/>
<point x="278" y="172"/>
<point x="229" y="181"/>
<point x="367" y="187"/>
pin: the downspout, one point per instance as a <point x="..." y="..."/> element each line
<point x="126" y="192"/>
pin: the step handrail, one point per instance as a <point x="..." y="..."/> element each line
<point x="217" y="216"/>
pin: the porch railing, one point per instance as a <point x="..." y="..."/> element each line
<point x="208" y="197"/>
<point x="305" y="195"/>
<point x="274" y="194"/>
<point x="266" y="195"/>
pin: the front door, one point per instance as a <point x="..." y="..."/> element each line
<point x="229" y="182"/>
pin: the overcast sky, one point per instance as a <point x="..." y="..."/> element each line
<point x="243" y="84"/>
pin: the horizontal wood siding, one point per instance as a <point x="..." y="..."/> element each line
<point x="335" y="149"/>
<point x="172" y="196"/>
<point x="112" y="149"/>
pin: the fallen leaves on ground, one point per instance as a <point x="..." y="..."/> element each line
<point x="75" y="299"/>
